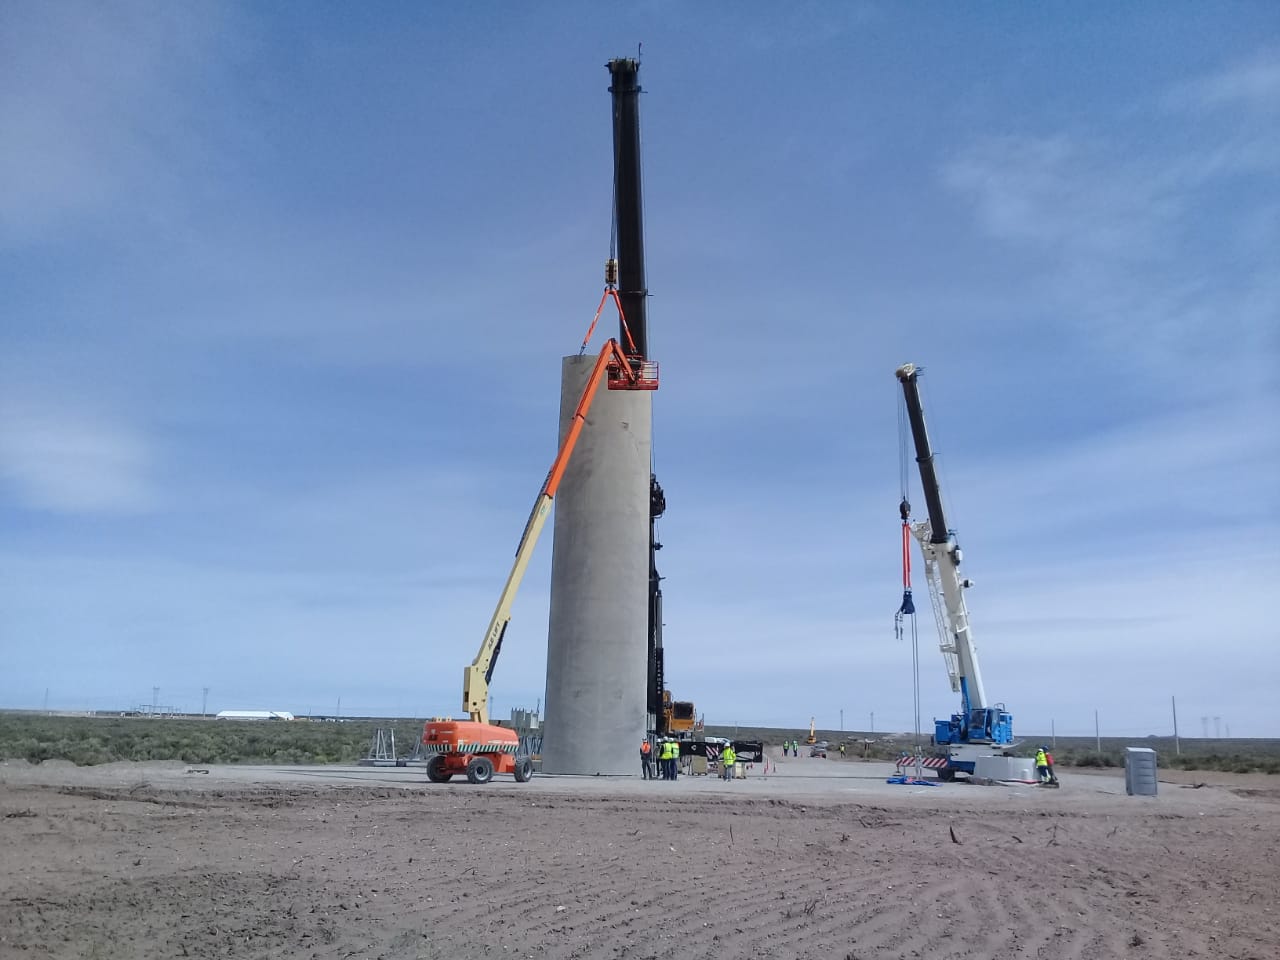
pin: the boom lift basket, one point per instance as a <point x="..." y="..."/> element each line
<point x="646" y="376"/>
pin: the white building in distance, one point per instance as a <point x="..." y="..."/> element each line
<point x="254" y="715"/>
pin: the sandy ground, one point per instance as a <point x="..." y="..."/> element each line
<point x="819" y="859"/>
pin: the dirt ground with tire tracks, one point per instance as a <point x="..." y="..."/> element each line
<point x="818" y="860"/>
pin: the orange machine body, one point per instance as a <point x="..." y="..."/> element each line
<point x="455" y="745"/>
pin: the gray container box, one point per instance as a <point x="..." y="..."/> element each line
<point x="1140" y="771"/>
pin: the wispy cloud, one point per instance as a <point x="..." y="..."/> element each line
<point x="95" y="104"/>
<point x="1130" y="239"/>
<point x="1063" y="194"/>
<point x="74" y="461"/>
<point x="1253" y="83"/>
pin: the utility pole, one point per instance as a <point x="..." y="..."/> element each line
<point x="46" y="699"/>
<point x="1097" y="731"/>
<point x="155" y="700"/>
<point x="204" y="703"/>
<point x="1217" y="728"/>
<point x="873" y="721"/>
<point x="842" y="719"/>
<point x="1177" y="744"/>
<point x="1053" y="734"/>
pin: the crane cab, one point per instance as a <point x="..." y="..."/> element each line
<point x="992" y="725"/>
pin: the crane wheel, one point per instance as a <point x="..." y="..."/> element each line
<point x="524" y="769"/>
<point x="480" y="770"/>
<point x="435" y="770"/>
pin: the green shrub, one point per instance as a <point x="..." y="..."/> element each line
<point x="37" y="737"/>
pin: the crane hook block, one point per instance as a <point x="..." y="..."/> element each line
<point x="904" y="508"/>
<point x="611" y="272"/>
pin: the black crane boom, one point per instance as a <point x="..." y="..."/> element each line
<point x="908" y="374"/>
<point x="629" y="203"/>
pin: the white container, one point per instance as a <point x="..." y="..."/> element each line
<point x="1021" y="769"/>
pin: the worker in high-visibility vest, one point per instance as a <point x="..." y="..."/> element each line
<point x="668" y="759"/>
<point x="646" y="754"/>
<point x="1042" y="765"/>
<point x="728" y="757"/>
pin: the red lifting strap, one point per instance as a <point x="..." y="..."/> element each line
<point x="906" y="555"/>
<point x="608" y="292"/>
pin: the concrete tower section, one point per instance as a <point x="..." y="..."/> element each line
<point x="598" y="637"/>
<point x="597" y="650"/>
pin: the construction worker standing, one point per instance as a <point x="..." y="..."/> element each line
<point x="669" y="754"/>
<point x="728" y="757"/>
<point x="1042" y="765"/>
<point x="646" y="750"/>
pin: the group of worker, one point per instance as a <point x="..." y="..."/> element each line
<point x="792" y="747"/>
<point x="1044" y="766"/>
<point x="667" y="755"/>
<point x="666" y="752"/>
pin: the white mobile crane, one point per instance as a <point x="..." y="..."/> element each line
<point x="981" y="728"/>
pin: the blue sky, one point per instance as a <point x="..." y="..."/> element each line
<point x="285" y="289"/>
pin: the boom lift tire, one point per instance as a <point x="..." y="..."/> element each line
<point x="480" y="770"/>
<point x="435" y="772"/>
<point x="524" y="769"/>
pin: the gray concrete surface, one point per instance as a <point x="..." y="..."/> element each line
<point x="596" y="637"/>
<point x="801" y="781"/>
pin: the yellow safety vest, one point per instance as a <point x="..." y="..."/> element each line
<point x="1041" y="760"/>
<point x="729" y="756"/>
